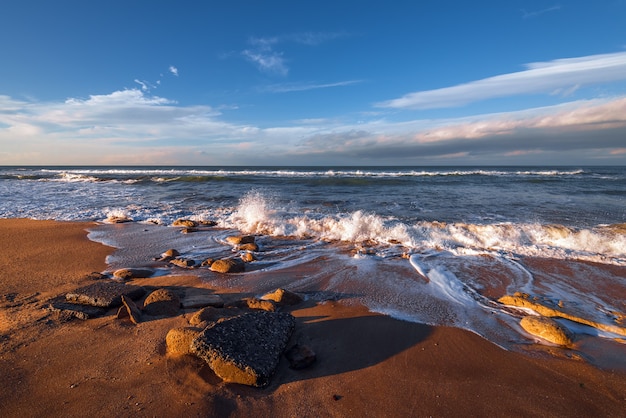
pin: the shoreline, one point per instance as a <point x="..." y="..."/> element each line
<point x="367" y="363"/>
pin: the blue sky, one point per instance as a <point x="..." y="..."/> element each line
<point x="312" y="83"/>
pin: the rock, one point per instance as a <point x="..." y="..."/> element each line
<point x="207" y="262"/>
<point x="208" y="223"/>
<point x="188" y="230"/>
<point x="169" y="254"/>
<point x="245" y="349"/>
<point x="547" y="329"/>
<point x="118" y="219"/>
<point x="188" y="223"/>
<point x="132" y="310"/>
<point x="248" y="257"/>
<point x="206" y="316"/>
<point x="132" y="273"/>
<point x="69" y="310"/>
<point x="300" y="356"/>
<point x="162" y="302"/>
<point x="228" y="265"/>
<point x="104" y="294"/>
<point x="201" y="301"/>
<point x="251" y="246"/>
<point x="183" y="262"/>
<point x="254" y="303"/>
<point x="240" y="239"/>
<point x="95" y="276"/>
<point x="283" y="297"/>
<point x="178" y="340"/>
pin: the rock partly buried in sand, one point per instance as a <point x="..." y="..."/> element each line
<point x="129" y="310"/>
<point x="245" y="349"/>
<point x="251" y="246"/>
<point x="523" y="300"/>
<point x="188" y="223"/>
<point x="162" y="302"/>
<point x="67" y="310"/>
<point x="228" y="265"/>
<point x="183" y="262"/>
<point x="168" y="255"/>
<point x="104" y="294"/>
<point x="300" y="356"/>
<point x="248" y="257"/>
<point x="283" y="297"/>
<point x="178" y="340"/>
<point x="547" y="329"/>
<point x="132" y="273"/>
<point x="240" y="239"/>
<point x="254" y="303"/>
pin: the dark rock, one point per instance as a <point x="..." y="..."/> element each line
<point x="300" y="356"/>
<point x="283" y="297"/>
<point x="183" y="262"/>
<point x="73" y="310"/>
<point x="245" y="349"/>
<point x="96" y="276"/>
<point x="162" y="302"/>
<point x="132" y="273"/>
<point x="228" y="265"/>
<point x="202" y="300"/>
<point x="104" y="294"/>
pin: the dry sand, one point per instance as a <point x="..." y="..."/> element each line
<point x="368" y="364"/>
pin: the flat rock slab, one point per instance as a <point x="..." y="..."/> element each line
<point x="73" y="310"/>
<point x="245" y="349"/>
<point x="104" y="294"/>
<point x="202" y="301"/>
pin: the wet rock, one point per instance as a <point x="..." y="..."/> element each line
<point x="132" y="273"/>
<point x="248" y="257"/>
<point x="191" y="301"/>
<point x="283" y="297"/>
<point x="118" y="219"/>
<point x="162" y="302"/>
<point x="228" y="265"/>
<point x="547" y="329"/>
<point x="69" y="310"/>
<point x="240" y="239"/>
<point x="188" y="230"/>
<point x="178" y="340"/>
<point x="183" y="262"/>
<point x="300" y="356"/>
<point x="95" y="276"/>
<point x="188" y="223"/>
<point x="104" y="294"/>
<point x="245" y="349"/>
<point x="168" y="255"/>
<point x="207" y="263"/>
<point x="208" y="223"/>
<point x="251" y="246"/>
<point x="130" y="310"/>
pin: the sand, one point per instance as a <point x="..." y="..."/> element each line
<point x="368" y="364"/>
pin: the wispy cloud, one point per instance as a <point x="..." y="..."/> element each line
<point x="264" y="54"/>
<point x="173" y="70"/>
<point x="291" y="87"/>
<point x="539" y="77"/>
<point x="527" y="15"/>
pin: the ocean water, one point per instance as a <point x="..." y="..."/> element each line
<point x="432" y="245"/>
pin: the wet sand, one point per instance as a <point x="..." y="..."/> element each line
<point x="368" y="364"/>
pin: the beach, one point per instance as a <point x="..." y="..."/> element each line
<point x="367" y="364"/>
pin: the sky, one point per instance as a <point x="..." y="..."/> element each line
<point x="360" y="83"/>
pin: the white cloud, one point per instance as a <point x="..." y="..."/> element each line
<point x="527" y="15"/>
<point x="173" y="70"/>
<point x="540" y="77"/>
<point x="267" y="60"/>
<point x="291" y="87"/>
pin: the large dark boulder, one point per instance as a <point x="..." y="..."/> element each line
<point x="245" y="349"/>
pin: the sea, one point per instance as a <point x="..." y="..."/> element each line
<point x="434" y="245"/>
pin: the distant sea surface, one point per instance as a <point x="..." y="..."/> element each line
<point x="426" y="244"/>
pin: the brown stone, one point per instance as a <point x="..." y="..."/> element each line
<point x="188" y="223"/>
<point x="131" y="308"/>
<point x="178" y="340"/>
<point x="183" y="262"/>
<point x="162" y="302"/>
<point x="547" y="329"/>
<point x="254" y="303"/>
<point x="283" y="297"/>
<point x="228" y="265"/>
<point x="248" y="257"/>
<point x="240" y="239"/>
<point x="132" y="273"/>
<point x="251" y="246"/>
